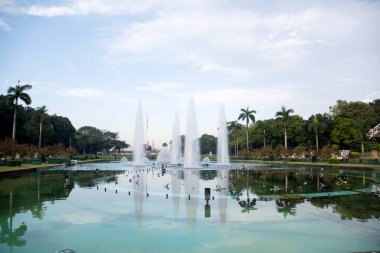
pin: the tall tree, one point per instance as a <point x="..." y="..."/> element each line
<point x="41" y="111"/>
<point x="315" y="125"/>
<point x="352" y="122"/>
<point x="16" y="93"/>
<point x="247" y="115"/>
<point x="284" y="116"/>
<point x="233" y="128"/>
<point x="207" y="143"/>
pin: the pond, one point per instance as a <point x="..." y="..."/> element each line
<point x="114" y="207"/>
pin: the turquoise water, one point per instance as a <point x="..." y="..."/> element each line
<point x="112" y="207"/>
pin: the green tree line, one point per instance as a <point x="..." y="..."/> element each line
<point x="345" y="127"/>
<point x="33" y="129"/>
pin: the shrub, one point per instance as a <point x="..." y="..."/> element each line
<point x="14" y="163"/>
<point x="266" y="151"/>
<point x="354" y="155"/>
<point x="325" y="152"/>
<point x="255" y="153"/>
<point x="280" y="151"/>
<point x="243" y="152"/>
<point x="335" y="147"/>
<point x="71" y="151"/>
<point x="297" y="152"/>
<point x="334" y="161"/>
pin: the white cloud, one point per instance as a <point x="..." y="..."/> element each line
<point x="238" y="43"/>
<point x="263" y="96"/>
<point x="77" y="7"/>
<point x="110" y="7"/>
<point x="4" y="26"/>
<point x="82" y="92"/>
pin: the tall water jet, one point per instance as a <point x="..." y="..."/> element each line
<point x="192" y="155"/>
<point x="176" y="152"/>
<point x="138" y="141"/>
<point x="222" y="155"/>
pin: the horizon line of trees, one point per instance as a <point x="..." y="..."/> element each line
<point x="344" y="127"/>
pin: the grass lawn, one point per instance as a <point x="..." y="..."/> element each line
<point x="33" y="166"/>
<point x="24" y="167"/>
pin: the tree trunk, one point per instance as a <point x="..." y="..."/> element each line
<point x="247" y="137"/>
<point x="362" y="143"/>
<point x="264" y="138"/>
<point x="40" y="139"/>
<point x="286" y="139"/>
<point x="14" y="121"/>
<point x="316" y="140"/>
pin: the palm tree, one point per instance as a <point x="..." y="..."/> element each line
<point x="247" y="115"/>
<point x="15" y="94"/>
<point x="233" y="128"/>
<point x="318" y="127"/>
<point x="41" y="111"/>
<point x="284" y="116"/>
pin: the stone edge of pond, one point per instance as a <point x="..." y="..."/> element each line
<point x="343" y="166"/>
<point x="43" y="167"/>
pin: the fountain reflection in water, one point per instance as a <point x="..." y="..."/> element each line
<point x="223" y="157"/>
<point x="138" y="141"/>
<point x="192" y="156"/>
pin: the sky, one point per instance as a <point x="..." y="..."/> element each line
<point x="93" y="60"/>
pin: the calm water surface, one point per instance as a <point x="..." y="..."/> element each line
<point x="113" y="207"/>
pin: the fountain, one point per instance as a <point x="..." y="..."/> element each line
<point x="176" y="152"/>
<point x="222" y="156"/>
<point x="192" y="155"/>
<point x="138" y="141"/>
<point x="124" y="160"/>
<point x="164" y="155"/>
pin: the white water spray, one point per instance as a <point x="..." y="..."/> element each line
<point x="222" y="149"/>
<point x="192" y="156"/>
<point x="138" y="141"/>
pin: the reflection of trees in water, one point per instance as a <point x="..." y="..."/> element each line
<point x="360" y="207"/>
<point x="29" y="192"/>
<point x="93" y="178"/>
<point x="9" y="236"/>
<point x="12" y="237"/>
<point x="208" y="174"/>
<point x="287" y="206"/>
<point x="308" y="180"/>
